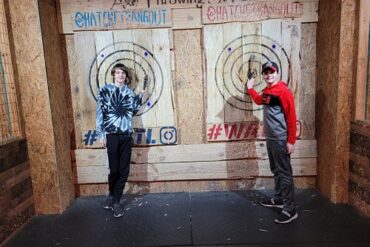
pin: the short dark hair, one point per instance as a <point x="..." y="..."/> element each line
<point x="125" y="69"/>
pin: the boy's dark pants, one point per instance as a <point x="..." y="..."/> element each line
<point x="282" y="169"/>
<point x="119" y="156"/>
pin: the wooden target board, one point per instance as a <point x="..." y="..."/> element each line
<point x="145" y="52"/>
<point x="234" y="49"/>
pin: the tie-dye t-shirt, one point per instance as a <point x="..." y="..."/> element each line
<point x="115" y="108"/>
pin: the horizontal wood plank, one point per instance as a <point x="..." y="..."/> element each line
<point x="233" y="169"/>
<point x="195" y="186"/>
<point x="195" y="153"/>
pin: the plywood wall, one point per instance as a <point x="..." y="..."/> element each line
<point x="195" y="95"/>
<point x="36" y="47"/>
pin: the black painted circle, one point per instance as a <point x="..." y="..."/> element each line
<point x="268" y="50"/>
<point x="104" y="61"/>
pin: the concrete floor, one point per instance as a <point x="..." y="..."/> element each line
<point x="197" y="219"/>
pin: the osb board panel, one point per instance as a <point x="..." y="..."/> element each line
<point x="145" y="52"/>
<point x="335" y="37"/>
<point x="326" y="94"/>
<point x="234" y="49"/>
<point x="188" y="83"/>
<point x="195" y="186"/>
<point x="308" y="79"/>
<point x="346" y="60"/>
<point x="57" y="94"/>
<point x="35" y="103"/>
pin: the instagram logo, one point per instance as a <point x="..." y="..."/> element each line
<point x="168" y="135"/>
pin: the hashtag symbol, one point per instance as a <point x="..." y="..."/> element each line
<point x="93" y="137"/>
<point x="87" y="137"/>
<point x="90" y="137"/>
<point x="214" y="131"/>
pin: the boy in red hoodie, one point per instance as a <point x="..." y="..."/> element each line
<point x="279" y="119"/>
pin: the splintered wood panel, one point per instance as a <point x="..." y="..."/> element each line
<point x="291" y="41"/>
<point x="234" y="93"/>
<point x="232" y="49"/>
<point x="145" y="52"/>
<point x="189" y="85"/>
<point x="308" y="75"/>
<point x="164" y="108"/>
<point x="188" y="162"/>
<point x="252" y="55"/>
<point x="213" y="44"/>
<point x="85" y="51"/>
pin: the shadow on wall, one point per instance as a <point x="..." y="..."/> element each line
<point x="241" y="145"/>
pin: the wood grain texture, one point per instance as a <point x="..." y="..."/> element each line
<point x="195" y="162"/>
<point x="195" y="186"/>
<point x="308" y="79"/>
<point x="57" y="93"/>
<point x="188" y="83"/>
<point x="335" y="38"/>
<point x="38" y="103"/>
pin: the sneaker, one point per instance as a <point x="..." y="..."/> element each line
<point x="271" y="203"/>
<point x="286" y="217"/>
<point x="118" y="211"/>
<point x="108" y="203"/>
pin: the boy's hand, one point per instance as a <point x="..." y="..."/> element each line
<point x="290" y="148"/>
<point x="250" y="82"/>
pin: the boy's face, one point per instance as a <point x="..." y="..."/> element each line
<point x="119" y="76"/>
<point x="270" y="76"/>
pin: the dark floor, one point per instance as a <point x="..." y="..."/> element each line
<point x="197" y="219"/>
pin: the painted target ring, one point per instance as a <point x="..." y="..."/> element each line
<point x="139" y="60"/>
<point x="233" y="59"/>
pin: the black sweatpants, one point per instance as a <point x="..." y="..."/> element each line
<point x="282" y="169"/>
<point x="119" y="157"/>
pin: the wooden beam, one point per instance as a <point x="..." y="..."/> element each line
<point x="36" y="44"/>
<point x="362" y="60"/>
